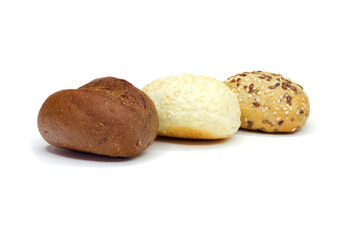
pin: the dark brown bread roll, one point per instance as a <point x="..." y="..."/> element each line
<point x="108" y="116"/>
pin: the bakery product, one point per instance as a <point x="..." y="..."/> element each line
<point x="269" y="102"/>
<point x="195" y="107"/>
<point x="108" y="116"/>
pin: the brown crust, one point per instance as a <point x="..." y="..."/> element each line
<point x="107" y="116"/>
<point x="187" y="132"/>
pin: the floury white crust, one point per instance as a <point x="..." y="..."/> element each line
<point x="270" y="102"/>
<point x="195" y="107"/>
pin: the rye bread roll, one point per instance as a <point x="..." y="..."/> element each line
<point x="108" y="116"/>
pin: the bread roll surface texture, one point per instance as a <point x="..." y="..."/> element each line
<point x="194" y="107"/>
<point x="107" y="116"/>
<point x="270" y="102"/>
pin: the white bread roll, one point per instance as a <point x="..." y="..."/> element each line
<point x="195" y="107"/>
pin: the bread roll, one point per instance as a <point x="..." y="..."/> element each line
<point x="269" y="102"/>
<point x="195" y="107"/>
<point x="107" y="116"/>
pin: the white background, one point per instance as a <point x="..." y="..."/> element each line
<point x="304" y="185"/>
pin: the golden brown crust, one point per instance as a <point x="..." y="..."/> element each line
<point x="187" y="132"/>
<point x="107" y="116"/>
<point x="270" y="102"/>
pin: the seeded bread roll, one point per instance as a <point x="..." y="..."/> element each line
<point x="195" y="107"/>
<point x="269" y="102"/>
<point x="107" y="116"/>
